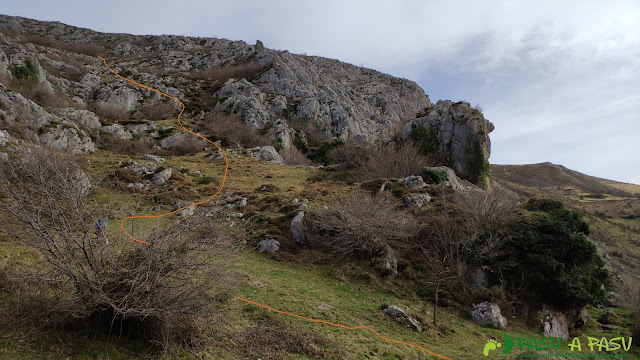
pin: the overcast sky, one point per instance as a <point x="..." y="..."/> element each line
<point x="559" y="79"/>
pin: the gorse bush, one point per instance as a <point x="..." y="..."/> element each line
<point x="26" y="71"/>
<point x="547" y="254"/>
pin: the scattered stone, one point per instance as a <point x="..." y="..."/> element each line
<point x="414" y="182"/>
<point x="400" y="316"/>
<point x="303" y="207"/>
<point x="153" y="158"/>
<point x="268" y="245"/>
<point x="237" y="205"/>
<point x="416" y="200"/>
<point x="118" y="131"/>
<point x="161" y="177"/>
<point x="186" y="212"/>
<point x="487" y="314"/>
<point x="297" y="228"/>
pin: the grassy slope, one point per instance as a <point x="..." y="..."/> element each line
<point x="337" y="293"/>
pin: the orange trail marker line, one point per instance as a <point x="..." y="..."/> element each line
<point x="185" y="129"/>
<point x="344" y="327"/>
<point x="212" y="196"/>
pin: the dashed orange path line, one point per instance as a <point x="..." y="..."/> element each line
<point x="214" y="195"/>
<point x="344" y="327"/>
<point x="185" y="129"/>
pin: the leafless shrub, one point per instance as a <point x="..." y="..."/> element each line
<point x="359" y="223"/>
<point x="155" y="111"/>
<point x="374" y="161"/>
<point x="112" y="111"/>
<point x="483" y="209"/>
<point x="153" y="291"/>
<point x="222" y="74"/>
<point x="186" y="146"/>
<point x="295" y="157"/>
<point x="232" y="131"/>
<point x="133" y="147"/>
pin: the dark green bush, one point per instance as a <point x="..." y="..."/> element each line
<point x="435" y="176"/>
<point x="547" y="253"/>
<point x="26" y="71"/>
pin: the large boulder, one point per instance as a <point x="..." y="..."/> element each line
<point x="268" y="245"/>
<point x="457" y="134"/>
<point x="161" y="177"/>
<point x="414" y="182"/>
<point x="442" y="175"/>
<point x="297" y="228"/>
<point x="487" y="314"/>
<point x="68" y="138"/>
<point x="400" y="316"/>
<point x="85" y="119"/>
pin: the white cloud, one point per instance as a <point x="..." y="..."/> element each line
<point x="558" y="79"/>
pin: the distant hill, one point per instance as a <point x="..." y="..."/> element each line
<point x="548" y="175"/>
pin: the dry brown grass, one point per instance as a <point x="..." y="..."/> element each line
<point x="74" y="71"/>
<point x="79" y="48"/>
<point x="112" y="112"/>
<point x="231" y="130"/>
<point x="155" y="111"/>
<point x="186" y="146"/>
<point x="222" y="74"/>
<point x="295" y="157"/>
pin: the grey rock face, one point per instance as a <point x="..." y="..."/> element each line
<point x="297" y="228"/>
<point x="268" y="245"/>
<point x="556" y="326"/>
<point x="237" y="204"/>
<point x="400" y="316"/>
<point x="414" y="182"/>
<point x="416" y="200"/>
<point x="487" y="314"/>
<point x="118" y="131"/>
<point x="459" y="129"/>
<point x="83" y="118"/>
<point x="161" y="177"/>
<point x="148" y="168"/>
<point x="68" y="138"/>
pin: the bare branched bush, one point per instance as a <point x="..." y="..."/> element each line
<point x="232" y="131"/>
<point x="222" y="74"/>
<point x="373" y="161"/>
<point x="112" y="111"/>
<point x="105" y="283"/>
<point x="295" y="157"/>
<point x="155" y="111"/>
<point x="440" y="250"/>
<point x="187" y="145"/>
<point x="360" y="224"/>
<point x="484" y="209"/>
<point x="132" y="147"/>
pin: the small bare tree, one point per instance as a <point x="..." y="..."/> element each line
<point x="441" y="248"/>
